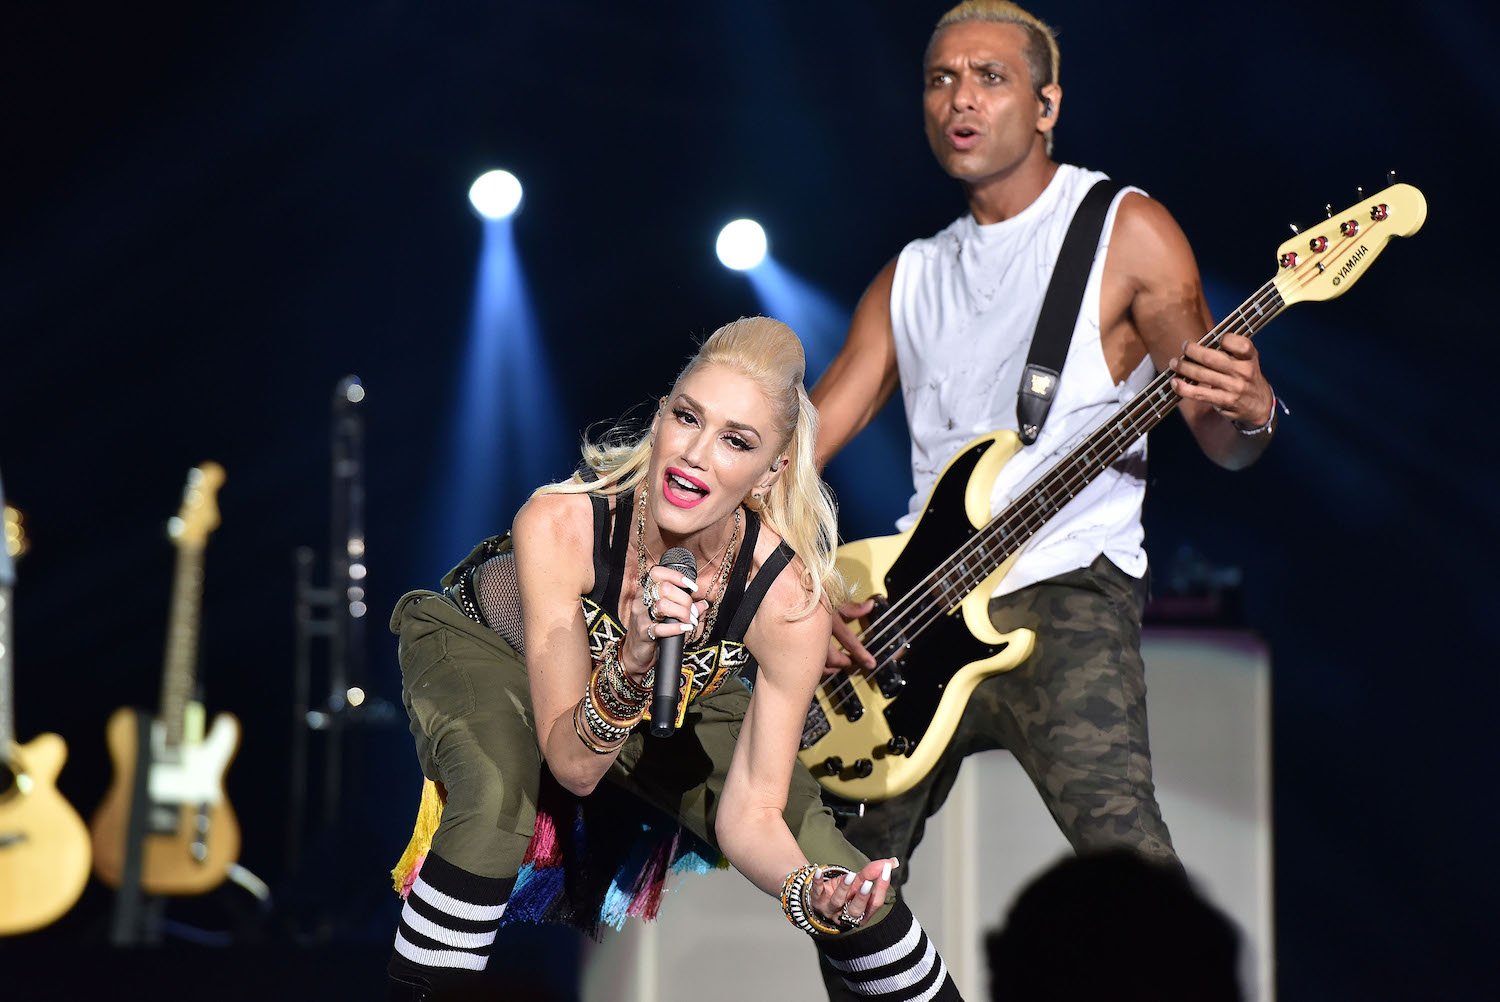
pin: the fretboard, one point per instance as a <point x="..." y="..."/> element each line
<point x="1008" y="531"/>
<point x="7" y="692"/>
<point x="179" y="672"/>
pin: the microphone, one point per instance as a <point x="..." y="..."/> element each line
<point x="669" y="656"/>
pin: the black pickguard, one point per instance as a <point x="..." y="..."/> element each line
<point x="929" y="659"/>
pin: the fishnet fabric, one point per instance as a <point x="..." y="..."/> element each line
<point x="499" y="598"/>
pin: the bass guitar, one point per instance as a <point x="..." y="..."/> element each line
<point x="165" y="814"/>
<point x="44" y="847"/>
<point x="874" y="735"/>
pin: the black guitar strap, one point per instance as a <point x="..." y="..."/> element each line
<point x="1054" y="328"/>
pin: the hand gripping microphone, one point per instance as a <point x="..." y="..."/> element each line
<point x="669" y="656"/>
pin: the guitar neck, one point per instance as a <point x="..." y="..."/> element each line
<point x="7" y="692"/>
<point x="1320" y="263"/>
<point x="12" y="545"/>
<point x="1008" y="531"/>
<point x="179" y="674"/>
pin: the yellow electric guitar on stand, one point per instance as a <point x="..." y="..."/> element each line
<point x="874" y="735"/>
<point x="44" y="847"/>
<point x="165" y="826"/>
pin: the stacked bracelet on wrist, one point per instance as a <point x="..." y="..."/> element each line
<point x="796" y="899"/>
<point x="613" y="704"/>
<point x="592" y="740"/>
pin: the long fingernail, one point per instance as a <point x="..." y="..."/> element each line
<point x="1183" y="349"/>
<point x="688" y="582"/>
<point x="867" y="887"/>
<point x="850" y="879"/>
<point x="885" y="874"/>
<point x="895" y="864"/>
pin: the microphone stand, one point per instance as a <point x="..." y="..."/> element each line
<point x="336" y="614"/>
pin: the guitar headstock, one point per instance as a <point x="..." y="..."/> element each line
<point x="15" y="533"/>
<point x="199" y="514"/>
<point x="14" y="545"/>
<point x="1323" y="262"/>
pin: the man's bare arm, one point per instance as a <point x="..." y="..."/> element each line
<point x="1219" y="387"/>
<point x="862" y="376"/>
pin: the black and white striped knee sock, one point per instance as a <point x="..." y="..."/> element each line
<point x="450" y="919"/>
<point x="893" y="960"/>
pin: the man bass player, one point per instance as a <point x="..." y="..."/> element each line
<point x="949" y="321"/>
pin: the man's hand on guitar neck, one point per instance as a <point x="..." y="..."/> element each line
<point x="1227" y="378"/>
<point x="1226" y="399"/>
<point x="845" y="652"/>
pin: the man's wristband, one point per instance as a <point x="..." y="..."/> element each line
<point x="1265" y="429"/>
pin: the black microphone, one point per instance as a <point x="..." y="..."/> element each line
<point x="669" y="655"/>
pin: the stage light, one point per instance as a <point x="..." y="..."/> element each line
<point x="495" y="194"/>
<point x="741" y="245"/>
<point x="506" y="432"/>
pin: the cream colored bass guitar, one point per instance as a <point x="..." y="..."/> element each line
<point x="874" y="736"/>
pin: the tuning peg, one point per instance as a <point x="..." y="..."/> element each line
<point x="1359" y="193"/>
<point x="1294" y="229"/>
<point x="1390" y="177"/>
<point x="1328" y="209"/>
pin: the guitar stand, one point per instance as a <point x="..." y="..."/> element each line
<point x="137" y="919"/>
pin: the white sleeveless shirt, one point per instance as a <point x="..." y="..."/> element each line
<point x="964" y="306"/>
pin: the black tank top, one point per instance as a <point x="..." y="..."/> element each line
<point x="722" y="654"/>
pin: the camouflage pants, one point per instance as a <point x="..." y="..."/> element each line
<point x="1073" y="714"/>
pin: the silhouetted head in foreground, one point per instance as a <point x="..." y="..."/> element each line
<point x="1113" y="925"/>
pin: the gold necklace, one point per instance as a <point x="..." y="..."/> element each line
<point x="721" y="582"/>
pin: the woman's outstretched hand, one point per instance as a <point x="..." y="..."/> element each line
<point x="847" y="900"/>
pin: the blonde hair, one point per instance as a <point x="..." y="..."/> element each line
<point x="1042" y="56"/>
<point x="798" y="507"/>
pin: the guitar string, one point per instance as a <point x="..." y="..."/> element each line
<point x="1039" y="502"/>
<point x="944" y="598"/>
<point x="1036" y="505"/>
<point x="900" y="623"/>
<point x="1270" y="293"/>
<point x="841" y="689"/>
<point x="178" y="679"/>
<point x="1041" y="495"/>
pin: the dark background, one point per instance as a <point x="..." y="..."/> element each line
<point x="212" y="215"/>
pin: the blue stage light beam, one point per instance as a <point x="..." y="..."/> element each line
<point x="871" y="476"/>
<point x="506" y="428"/>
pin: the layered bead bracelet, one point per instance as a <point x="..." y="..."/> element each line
<point x="796" y="899"/>
<point x="613" y="704"/>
